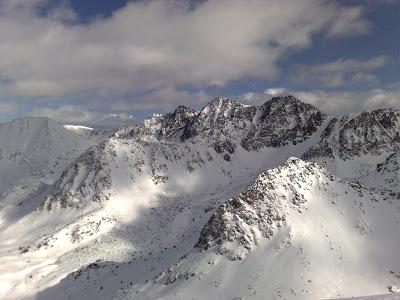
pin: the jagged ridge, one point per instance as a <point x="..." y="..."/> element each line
<point x="259" y="211"/>
<point x="351" y="136"/>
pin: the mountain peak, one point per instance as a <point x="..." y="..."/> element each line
<point x="220" y="100"/>
<point x="183" y="109"/>
<point x="219" y="105"/>
<point x="282" y="120"/>
<point x="286" y="98"/>
<point x="276" y="123"/>
<point x="30" y="126"/>
<point x="289" y="101"/>
<point x="262" y="209"/>
<point x="178" y="120"/>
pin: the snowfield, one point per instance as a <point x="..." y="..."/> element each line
<point x="279" y="201"/>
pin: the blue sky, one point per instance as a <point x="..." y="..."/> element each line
<point x="81" y="61"/>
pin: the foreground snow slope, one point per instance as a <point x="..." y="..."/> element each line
<point x="275" y="241"/>
<point x="206" y="205"/>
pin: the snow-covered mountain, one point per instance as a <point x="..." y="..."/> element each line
<point x="37" y="141"/>
<point x="207" y="204"/>
<point x="33" y="153"/>
<point x="297" y="232"/>
<point x="36" y="147"/>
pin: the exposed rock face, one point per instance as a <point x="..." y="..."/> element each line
<point x="221" y="116"/>
<point x="178" y="121"/>
<point x="388" y="172"/>
<point x="276" y="123"/>
<point x="324" y="148"/>
<point x="220" y="127"/>
<point x="238" y="225"/>
<point x="354" y="135"/>
<point x="147" y="130"/>
<point x="391" y="164"/>
<point x="281" y="121"/>
<point x="277" y="195"/>
<point x="222" y="146"/>
<point x="87" y="178"/>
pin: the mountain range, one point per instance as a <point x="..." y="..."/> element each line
<point x="233" y="201"/>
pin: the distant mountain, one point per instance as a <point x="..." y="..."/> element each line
<point x="208" y="204"/>
<point x="36" y="147"/>
<point x="36" y="140"/>
<point x="351" y="136"/>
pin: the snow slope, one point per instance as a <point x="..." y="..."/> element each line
<point x="273" y="241"/>
<point x="33" y="154"/>
<point x="206" y="205"/>
<point x="32" y="144"/>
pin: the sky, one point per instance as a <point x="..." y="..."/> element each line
<point x="105" y="63"/>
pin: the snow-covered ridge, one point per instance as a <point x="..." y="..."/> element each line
<point x="278" y="122"/>
<point x="35" y="139"/>
<point x="373" y="133"/>
<point x="206" y="204"/>
<point x="298" y="232"/>
<point x="71" y="189"/>
<point x="239" y="224"/>
<point x="193" y="139"/>
<point x="258" y="212"/>
<point x="186" y="141"/>
<point x="36" y="147"/>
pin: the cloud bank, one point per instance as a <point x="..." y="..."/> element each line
<point x="154" y="55"/>
<point x="332" y="102"/>
<point x="75" y="114"/>
<point x="149" y="45"/>
<point x="336" y="73"/>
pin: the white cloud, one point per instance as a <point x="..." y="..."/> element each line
<point x="75" y="114"/>
<point x="63" y="13"/>
<point x="365" y="78"/>
<point x="349" y="23"/>
<point x="154" y="45"/>
<point x="275" y="91"/>
<point x="342" y="102"/>
<point x="258" y="98"/>
<point x="8" y="107"/>
<point x="336" y="102"/>
<point x="333" y="74"/>
<point x="169" y="97"/>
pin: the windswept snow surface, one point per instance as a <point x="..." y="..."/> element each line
<point x="209" y="204"/>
